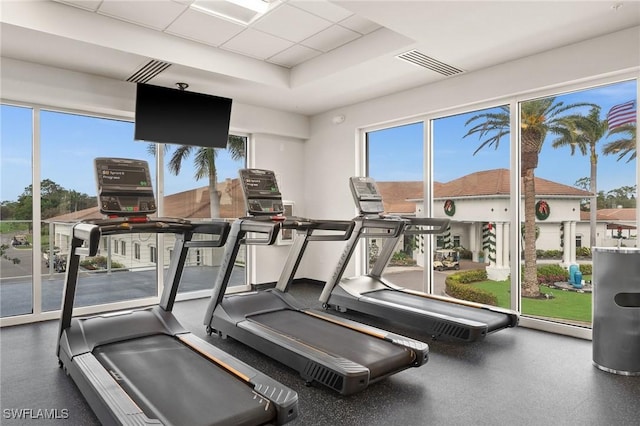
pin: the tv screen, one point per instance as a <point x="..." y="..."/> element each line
<point x="179" y="117"/>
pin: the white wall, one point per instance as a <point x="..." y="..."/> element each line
<point x="330" y="153"/>
<point x="285" y="156"/>
<point x="54" y="87"/>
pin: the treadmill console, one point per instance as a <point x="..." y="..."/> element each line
<point x="261" y="193"/>
<point x="124" y="187"/>
<point x="366" y="195"/>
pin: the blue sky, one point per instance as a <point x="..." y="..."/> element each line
<point x="69" y="143"/>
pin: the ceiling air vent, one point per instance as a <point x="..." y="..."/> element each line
<point x="148" y="71"/>
<point x="424" y="61"/>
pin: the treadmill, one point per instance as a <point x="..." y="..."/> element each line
<point x="440" y="317"/>
<point x="140" y="367"/>
<point x="343" y="355"/>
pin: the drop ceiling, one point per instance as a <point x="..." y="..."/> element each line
<point x="305" y="56"/>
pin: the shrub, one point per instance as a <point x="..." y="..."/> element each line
<point x="586" y="269"/>
<point x="583" y="252"/>
<point x="549" y="274"/>
<point x="400" y="258"/>
<point x="99" y="262"/>
<point x="464" y="253"/>
<point x="466" y="277"/>
<point x="549" y="254"/>
<point x="457" y="286"/>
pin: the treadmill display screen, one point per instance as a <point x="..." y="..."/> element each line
<point x="261" y="192"/>
<point x="366" y="195"/>
<point x="122" y="176"/>
<point x="365" y="188"/>
<point x="124" y="187"/>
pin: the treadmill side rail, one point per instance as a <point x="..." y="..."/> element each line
<point x="114" y="407"/>
<point x="284" y="399"/>
<point x="420" y="349"/>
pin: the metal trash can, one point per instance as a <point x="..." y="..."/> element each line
<point x="616" y="310"/>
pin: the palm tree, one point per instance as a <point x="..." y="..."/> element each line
<point x="539" y="118"/>
<point x="584" y="132"/>
<point x="624" y="146"/>
<point x="205" y="162"/>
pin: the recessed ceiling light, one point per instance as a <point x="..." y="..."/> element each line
<point x="240" y="11"/>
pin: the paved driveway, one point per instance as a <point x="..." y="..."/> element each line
<point x="412" y="276"/>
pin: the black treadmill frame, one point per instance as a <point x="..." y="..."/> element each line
<point x="230" y="315"/>
<point x="351" y="293"/>
<point x="109" y="401"/>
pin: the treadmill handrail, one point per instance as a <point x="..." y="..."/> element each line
<point x="270" y="228"/>
<point x="90" y="234"/>
<point x="437" y="225"/>
<point x="390" y="223"/>
<point x="312" y="225"/>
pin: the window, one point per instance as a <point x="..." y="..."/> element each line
<point x="136" y="251"/>
<point x="395" y="161"/>
<point x="153" y="254"/>
<point x="585" y="152"/>
<point x="189" y="197"/>
<point x="16" y="224"/>
<point x="69" y="192"/>
<point x="471" y="188"/>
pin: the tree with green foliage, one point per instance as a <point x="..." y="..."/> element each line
<point x="205" y="164"/>
<point x="624" y="146"/>
<point x="623" y="196"/>
<point x="54" y="200"/>
<point x="583" y="135"/>
<point x="539" y="118"/>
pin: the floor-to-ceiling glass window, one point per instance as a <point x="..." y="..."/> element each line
<point x="203" y="183"/>
<point x="69" y="145"/>
<point x="578" y="160"/>
<point x="395" y="160"/>
<point x="16" y="226"/>
<point x="471" y="157"/>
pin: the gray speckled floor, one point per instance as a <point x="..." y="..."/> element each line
<point x="515" y="377"/>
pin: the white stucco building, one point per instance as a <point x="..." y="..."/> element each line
<point x="478" y="206"/>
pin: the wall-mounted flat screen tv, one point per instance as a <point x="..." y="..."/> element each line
<point x="180" y="117"/>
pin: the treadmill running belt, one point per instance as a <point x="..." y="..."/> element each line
<point x="494" y="320"/>
<point x="172" y="382"/>
<point x="379" y="356"/>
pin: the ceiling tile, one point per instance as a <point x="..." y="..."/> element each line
<point x="294" y="55"/>
<point x="91" y="5"/>
<point x="359" y="24"/>
<point x="331" y="38"/>
<point x="203" y="27"/>
<point x="257" y="44"/>
<point x="323" y="9"/>
<point x="156" y="14"/>
<point x="291" y="23"/>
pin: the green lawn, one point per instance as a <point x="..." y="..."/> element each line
<point x="568" y="305"/>
<point x="16" y="227"/>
